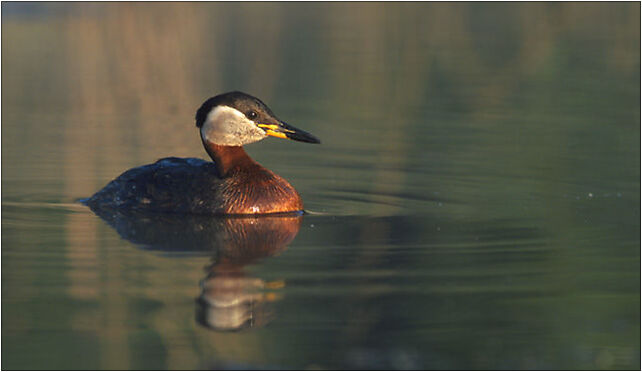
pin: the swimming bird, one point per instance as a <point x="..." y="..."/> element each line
<point x="231" y="184"/>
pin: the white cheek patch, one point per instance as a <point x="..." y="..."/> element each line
<point x="228" y="126"/>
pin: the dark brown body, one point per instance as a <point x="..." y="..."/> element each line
<point x="232" y="184"/>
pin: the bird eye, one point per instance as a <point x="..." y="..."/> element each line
<point x="252" y="115"/>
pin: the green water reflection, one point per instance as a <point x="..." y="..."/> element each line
<point x="475" y="202"/>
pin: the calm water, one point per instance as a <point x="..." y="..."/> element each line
<point x="475" y="203"/>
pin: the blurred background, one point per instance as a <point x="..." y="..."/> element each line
<point x="475" y="202"/>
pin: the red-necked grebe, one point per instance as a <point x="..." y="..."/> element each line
<point x="232" y="184"/>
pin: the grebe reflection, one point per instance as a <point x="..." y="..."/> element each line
<point x="230" y="300"/>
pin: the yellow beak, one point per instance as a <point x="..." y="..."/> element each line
<point x="274" y="130"/>
<point x="283" y="130"/>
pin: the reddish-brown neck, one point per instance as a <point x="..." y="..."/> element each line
<point x="248" y="188"/>
<point x="228" y="158"/>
